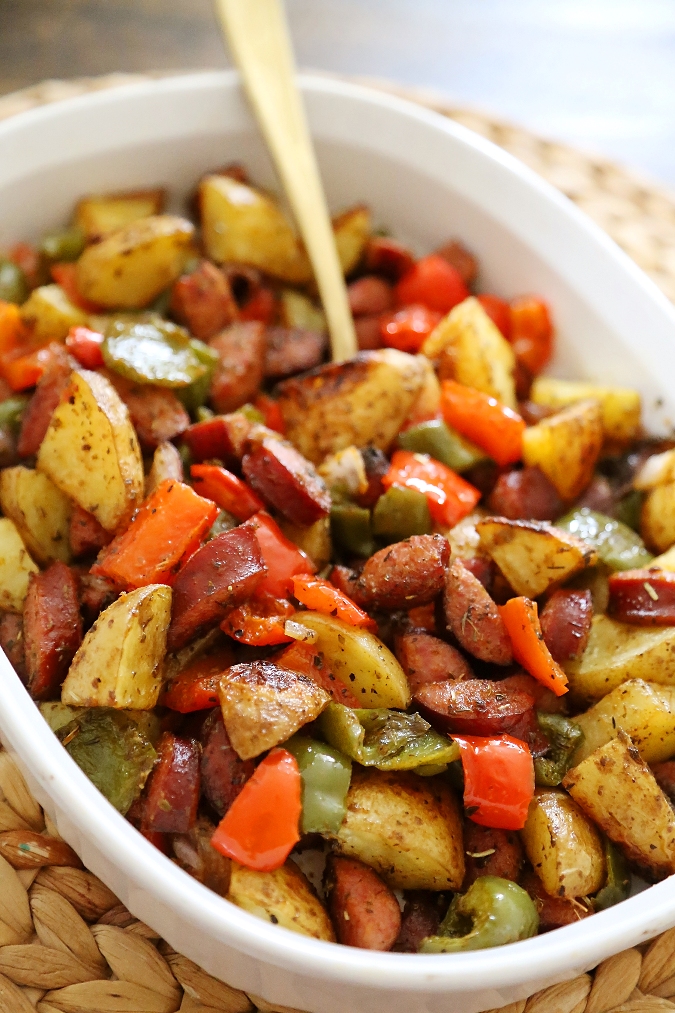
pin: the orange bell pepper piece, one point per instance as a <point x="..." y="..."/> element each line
<point x="24" y="371"/>
<point x="260" y="828"/>
<point x="531" y="333"/>
<point x="14" y="334"/>
<point x="322" y="596"/>
<point x="271" y="412"/>
<point x="521" y="619"/>
<point x="259" y="621"/>
<point x="167" y="529"/>
<point x="489" y="424"/>
<point x="225" y="489"/>
<point x="196" y="687"/>
<point x="449" y="496"/>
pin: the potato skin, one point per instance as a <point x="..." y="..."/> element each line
<point x="617" y="652"/>
<point x="97" y="216"/>
<point x="407" y="828"/>
<point x="283" y="897"/>
<point x="563" y="846"/>
<point x="16" y="567"/>
<point x="657" y="520"/>
<point x="620" y="406"/>
<point x="566" y="447"/>
<point x="618" y="791"/>
<point x="644" y="710"/>
<point x="40" y="511"/>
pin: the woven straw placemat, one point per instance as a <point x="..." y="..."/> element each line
<point x="66" y="944"/>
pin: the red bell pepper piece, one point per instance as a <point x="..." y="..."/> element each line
<point x="196" y="687"/>
<point x="521" y="619"/>
<point x="281" y="556"/>
<point x="260" y="828"/>
<point x="85" y="345"/>
<point x="498" y="311"/>
<point x="210" y="438"/>
<point x="259" y="621"/>
<point x="226" y="490"/>
<point x="498" y="780"/>
<point x="168" y="528"/>
<point x="322" y="596"/>
<point x="262" y="306"/>
<point x="28" y="259"/>
<point x="433" y="282"/>
<point x="449" y="496"/>
<point x="407" y="329"/>
<point x="65" y="275"/>
<point x="271" y="412"/>
<point x="24" y="371"/>
<point x="492" y="426"/>
<point x="531" y="333"/>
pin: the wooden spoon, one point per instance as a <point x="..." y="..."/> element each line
<point x="260" y="43"/>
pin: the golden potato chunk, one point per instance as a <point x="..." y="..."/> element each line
<point x="657" y="520"/>
<point x="90" y="450"/>
<point x="130" y="267"/>
<point x="119" y="663"/>
<point x="16" y="567"/>
<point x="283" y="897"/>
<point x="360" y="660"/>
<point x="408" y="828"/>
<point x="617" y="652"/>
<point x="352" y="231"/>
<point x="644" y="710"/>
<point x="471" y="349"/>
<point x="564" y="847"/>
<point x="99" y="215"/>
<point x="296" y="310"/>
<point x="657" y="470"/>
<point x="40" y="511"/>
<point x="566" y="447"/>
<point x="618" y="791"/>
<point x="50" y="314"/>
<point x="621" y="409"/>
<point x="532" y="555"/>
<point x="360" y="402"/>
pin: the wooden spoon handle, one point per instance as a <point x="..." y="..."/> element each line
<point x="259" y="40"/>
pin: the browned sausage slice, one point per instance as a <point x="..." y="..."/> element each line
<point x="368" y="332"/>
<point x="156" y="413"/>
<point x="426" y="659"/>
<point x="461" y="259"/>
<point x="406" y="574"/>
<point x="223" y="773"/>
<point x="223" y="436"/>
<point x="473" y="618"/>
<point x="368" y="295"/>
<point x="203" y="301"/>
<point x="37" y="415"/>
<point x="566" y="623"/>
<point x="421" y="917"/>
<point x="52" y="629"/>
<point x="491" y="852"/>
<point x="172" y="794"/>
<point x="364" y="910"/>
<point x="86" y="534"/>
<point x="525" y="495"/>
<point x="241" y="350"/>
<point x="642" y="597"/>
<point x="287" y="481"/>
<point x="554" y="912"/>
<point x="388" y="257"/>
<point x="292" y="350"/>
<point x="12" y="642"/>
<point x="474" y="707"/>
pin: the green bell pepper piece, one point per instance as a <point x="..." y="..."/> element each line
<point x="113" y="752"/>
<point x="617" y="886"/>
<point x="400" y="513"/>
<point x="441" y="442"/>
<point x="13" y="284"/>
<point x="145" y="348"/>
<point x="386" y="739"/>
<point x="63" y="244"/>
<point x="492" y="912"/>
<point x="326" y="773"/>
<point x="351" y="529"/>
<point x="11" y="411"/>
<point x="564" y="736"/>
<point x="617" y="545"/>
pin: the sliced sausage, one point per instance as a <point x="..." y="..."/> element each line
<point x="387" y="257"/>
<point x="346" y="580"/>
<point x="369" y="295"/>
<point x="554" y="912"/>
<point x="52" y="629"/>
<point x="223" y="774"/>
<point x="96" y="593"/>
<point x="483" y="568"/>
<point x="156" y="413"/>
<point x="472" y="616"/>
<point x="364" y="910"/>
<point x="368" y="332"/>
<point x="461" y="259"/>
<point x="642" y="597"/>
<point x="544" y="699"/>
<point x="406" y="574"/>
<point x="287" y="481"/>
<point x="239" y="373"/>
<point x="194" y="853"/>
<point x="473" y="707"/>
<point x="12" y="642"/>
<point x="223" y="437"/>
<point x="526" y="495"/>
<point x="665" y="777"/>
<point x="292" y="350"/>
<point x="203" y="301"/>
<point x="599" y="496"/>
<point x="377" y="465"/>
<point x="422" y="915"/>
<point x="86" y="535"/>
<point x="491" y="852"/>
<point x="566" y="623"/>
<point x="426" y="659"/>
<point x="40" y="408"/>
<point x="172" y="794"/>
<point x="223" y="573"/>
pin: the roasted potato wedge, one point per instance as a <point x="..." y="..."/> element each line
<point x="359" y="660"/>
<point x="407" y="828"/>
<point x="471" y="349"/>
<point x="296" y="310"/>
<point x="363" y="401"/>
<point x="119" y="663"/>
<point x="49" y="314"/>
<point x="658" y="469"/>
<point x="166" y="463"/>
<point x="618" y="791"/>
<point x="533" y="556"/>
<point x="617" y="652"/>
<point x="621" y="408"/>
<point x="130" y="267"/>
<point x="566" y="447"/>
<point x="97" y="216"/>
<point x="427" y="404"/>
<point x="645" y="711"/>
<point x="657" y="521"/>
<point x="90" y="450"/>
<point x="283" y="897"/>
<point x="666" y="561"/>
<point x="352" y="231"/>
<point x="16" y="567"/>
<point x="564" y="847"/>
<point x="40" y="511"/>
